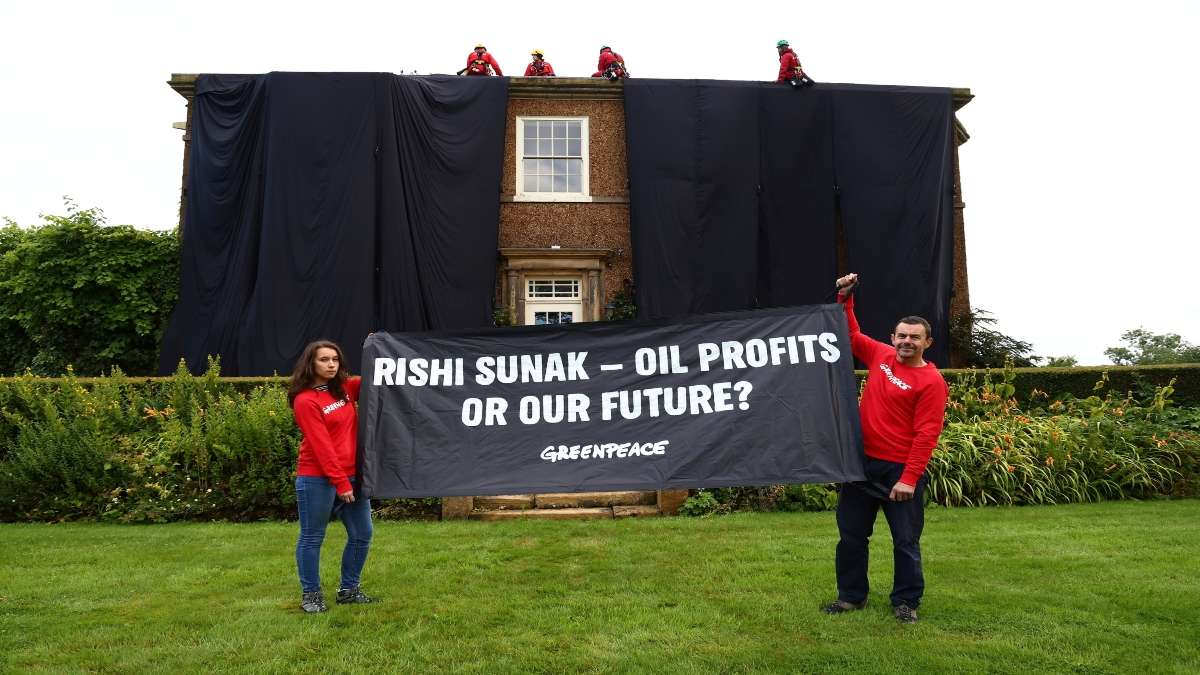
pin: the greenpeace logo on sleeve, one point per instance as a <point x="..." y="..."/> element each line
<point x="892" y="377"/>
<point x="333" y="406"/>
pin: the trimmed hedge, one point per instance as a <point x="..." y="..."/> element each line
<point x="1081" y="382"/>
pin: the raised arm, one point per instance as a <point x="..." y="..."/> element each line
<point x="863" y="347"/>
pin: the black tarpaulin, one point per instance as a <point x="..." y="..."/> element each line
<point x="895" y="175"/>
<point x="333" y="204"/>
<point x="883" y="153"/>
<point x="693" y="162"/>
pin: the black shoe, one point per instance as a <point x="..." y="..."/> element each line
<point x="353" y="596"/>
<point x="313" y="603"/>
<point x="905" y="614"/>
<point x="841" y="607"/>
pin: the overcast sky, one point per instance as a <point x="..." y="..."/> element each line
<point x="1080" y="178"/>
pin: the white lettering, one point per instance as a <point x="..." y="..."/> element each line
<point x="829" y="352"/>
<point x="384" y="369"/>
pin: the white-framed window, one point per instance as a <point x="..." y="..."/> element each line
<point x="552" y="159"/>
<point x="553" y="300"/>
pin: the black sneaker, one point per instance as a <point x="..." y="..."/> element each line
<point x="905" y="614"/>
<point x="841" y="607"/>
<point x="313" y="603"/>
<point x="353" y="596"/>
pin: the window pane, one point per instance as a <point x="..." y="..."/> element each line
<point x="573" y="129"/>
<point x="560" y="147"/>
<point x="574" y="148"/>
<point x="574" y="166"/>
<point x="540" y="318"/>
<point x="560" y="183"/>
<point x="574" y="183"/>
<point x="531" y="127"/>
<point x="529" y="166"/>
<point x="531" y="182"/>
<point x="560" y="166"/>
<point x="566" y="317"/>
<point x="560" y="129"/>
<point x="546" y="166"/>
<point x="530" y="146"/>
<point x="545" y="184"/>
<point x="545" y="147"/>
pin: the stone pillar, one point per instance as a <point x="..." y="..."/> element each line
<point x="669" y="501"/>
<point x="515" y="314"/>
<point x="457" y="508"/>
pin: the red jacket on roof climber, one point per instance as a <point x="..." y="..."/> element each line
<point x="539" y="67"/>
<point x="611" y="65"/>
<point x="789" y="66"/>
<point x="480" y="62"/>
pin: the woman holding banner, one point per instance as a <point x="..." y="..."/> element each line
<point x="323" y="396"/>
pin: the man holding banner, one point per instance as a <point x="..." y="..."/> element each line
<point x="902" y="410"/>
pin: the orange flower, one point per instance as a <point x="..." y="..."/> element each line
<point x="1011" y="468"/>
<point x="1050" y="460"/>
<point x="997" y="451"/>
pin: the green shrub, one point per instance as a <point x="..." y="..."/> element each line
<point x="178" y="448"/>
<point x="206" y="447"/>
<point x="1111" y="443"/>
<point x="74" y="291"/>
<point x="699" y="503"/>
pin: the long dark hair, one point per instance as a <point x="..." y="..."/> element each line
<point x="304" y="376"/>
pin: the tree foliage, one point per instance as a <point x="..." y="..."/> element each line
<point x="74" y="291"/>
<point x="982" y="346"/>
<point x="1145" y="348"/>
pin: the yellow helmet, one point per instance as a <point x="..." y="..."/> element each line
<point x="537" y="52"/>
<point x="480" y="46"/>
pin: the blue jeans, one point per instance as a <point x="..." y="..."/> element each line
<point x="858" y="505"/>
<point x="315" y="500"/>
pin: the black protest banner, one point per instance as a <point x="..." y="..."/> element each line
<point x="742" y="398"/>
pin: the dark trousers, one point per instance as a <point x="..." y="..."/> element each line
<point x="858" y="505"/>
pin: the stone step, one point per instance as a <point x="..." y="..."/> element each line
<point x="505" y="502"/>
<point x="639" y="511"/>
<point x="561" y="500"/>
<point x="545" y="514"/>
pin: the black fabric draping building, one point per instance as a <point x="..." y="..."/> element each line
<point x="331" y="205"/>
<point x="736" y="188"/>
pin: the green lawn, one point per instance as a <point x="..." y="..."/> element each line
<point x="1109" y="587"/>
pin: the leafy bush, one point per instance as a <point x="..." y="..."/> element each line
<point x="206" y="447"/>
<point x="700" y="503"/>
<point x="179" y="448"/>
<point x="1111" y="444"/>
<point x="75" y="292"/>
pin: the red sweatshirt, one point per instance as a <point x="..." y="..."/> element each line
<point x="902" y="407"/>
<point x="330" y="429"/>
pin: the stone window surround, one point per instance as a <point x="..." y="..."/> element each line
<point x="585" y="263"/>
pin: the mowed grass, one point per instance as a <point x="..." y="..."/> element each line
<point x="1111" y="587"/>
